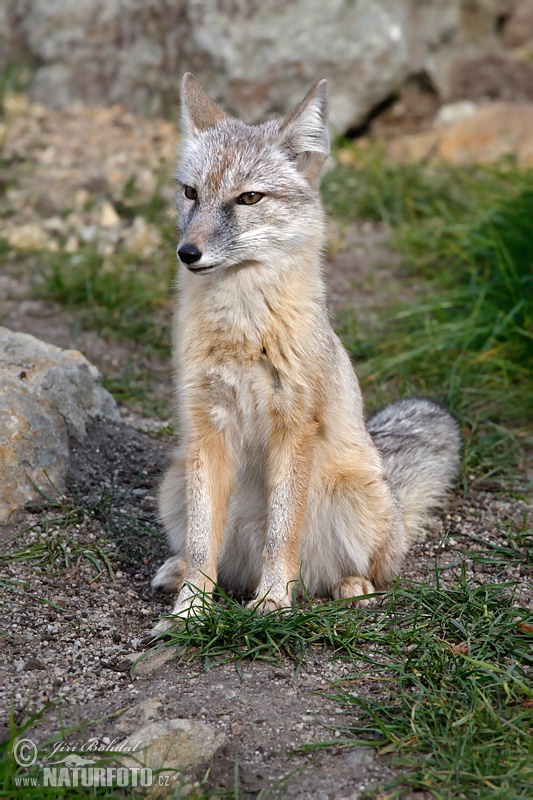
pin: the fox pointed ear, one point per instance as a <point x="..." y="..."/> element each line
<point x="304" y="132"/>
<point x="198" y="111"/>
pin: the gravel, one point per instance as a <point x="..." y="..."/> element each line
<point x="72" y="635"/>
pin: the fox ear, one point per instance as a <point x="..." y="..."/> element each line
<point x="304" y="132"/>
<point x="198" y="111"/>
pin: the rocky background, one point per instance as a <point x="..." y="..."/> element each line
<point x="255" y="56"/>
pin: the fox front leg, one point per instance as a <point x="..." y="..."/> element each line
<point x="290" y="465"/>
<point x="210" y="476"/>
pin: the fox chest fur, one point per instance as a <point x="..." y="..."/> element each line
<point x="244" y="375"/>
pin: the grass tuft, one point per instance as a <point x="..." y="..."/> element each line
<point x="450" y="697"/>
<point x="228" y="630"/>
<point x="119" y="296"/>
<point x="58" y="541"/>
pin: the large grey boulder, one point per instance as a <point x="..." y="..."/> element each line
<point x="46" y="395"/>
<point x="256" y="57"/>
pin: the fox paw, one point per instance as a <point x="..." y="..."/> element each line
<point x="170" y="575"/>
<point x="188" y="604"/>
<point x="353" y="587"/>
<point x="269" y="603"/>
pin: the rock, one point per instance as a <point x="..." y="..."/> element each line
<point x="174" y="744"/>
<point x="454" y="112"/>
<point x="518" y="28"/>
<point x="140" y="714"/>
<point x="63" y="377"/>
<point x="486" y="135"/>
<point x="108" y="216"/>
<point x="55" y="225"/>
<point x="48" y="394"/>
<point x="31" y="236"/>
<point x="360" y="757"/>
<point x="34" y="663"/>
<point x="415" y="147"/>
<point x="151" y="660"/>
<point x="502" y="129"/>
<point x="237" y="729"/>
<point x="141" y="238"/>
<point x="253" y="56"/>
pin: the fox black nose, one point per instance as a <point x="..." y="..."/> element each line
<point x="189" y="253"/>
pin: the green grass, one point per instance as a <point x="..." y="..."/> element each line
<point x="53" y="549"/>
<point x="54" y="544"/>
<point x="228" y="630"/>
<point x="511" y="548"/>
<point x="441" y="681"/>
<point x="466" y="338"/>
<point x="122" y="295"/>
<point x="14" y="78"/>
<point x="454" y="701"/>
<point x="134" y="386"/>
<point x="58" y="541"/>
<point x="377" y="188"/>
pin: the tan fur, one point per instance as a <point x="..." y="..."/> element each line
<point x="353" y="587"/>
<point x="277" y="484"/>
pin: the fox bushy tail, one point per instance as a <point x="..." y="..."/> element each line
<point x="420" y="444"/>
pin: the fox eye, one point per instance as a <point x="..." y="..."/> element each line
<point x="249" y="198"/>
<point x="190" y="193"/>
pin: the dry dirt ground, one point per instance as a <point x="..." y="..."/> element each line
<point x="72" y="632"/>
<point x="72" y="635"/>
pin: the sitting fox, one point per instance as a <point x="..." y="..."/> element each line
<point x="278" y="484"/>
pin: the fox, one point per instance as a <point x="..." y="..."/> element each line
<point x="279" y="485"/>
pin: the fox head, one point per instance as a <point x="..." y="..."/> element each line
<point x="248" y="194"/>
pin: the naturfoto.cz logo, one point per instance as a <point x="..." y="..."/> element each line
<point x="73" y="769"/>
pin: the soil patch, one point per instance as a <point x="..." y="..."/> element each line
<point x="73" y="635"/>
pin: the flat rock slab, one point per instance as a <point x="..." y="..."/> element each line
<point x="46" y="395"/>
<point x="175" y="745"/>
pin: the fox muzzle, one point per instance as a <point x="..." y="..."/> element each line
<point x="189" y="254"/>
